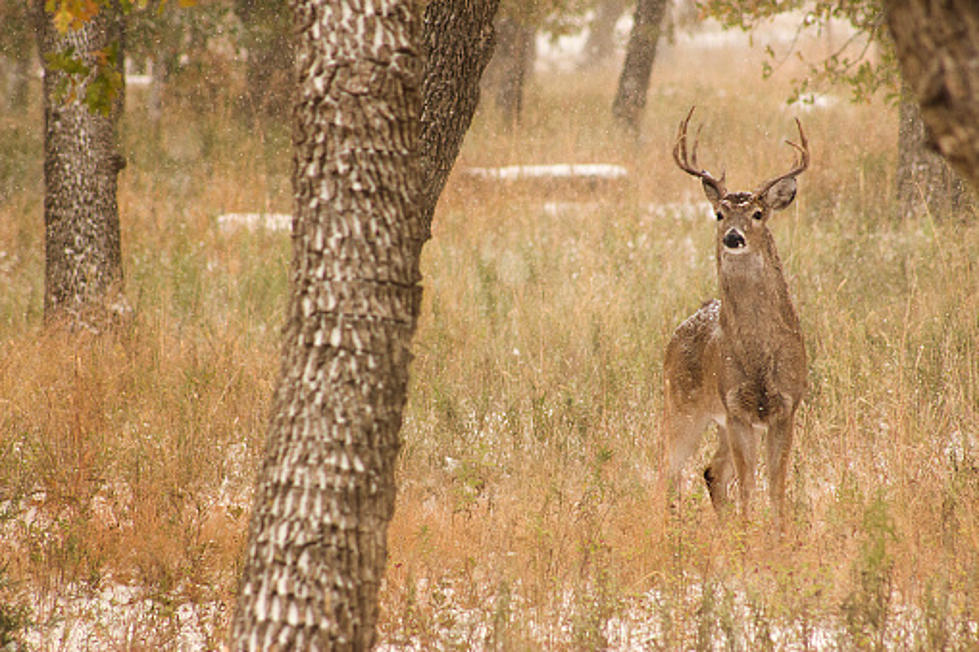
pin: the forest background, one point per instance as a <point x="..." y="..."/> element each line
<point x="530" y="508"/>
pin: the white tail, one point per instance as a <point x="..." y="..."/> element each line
<point x="739" y="361"/>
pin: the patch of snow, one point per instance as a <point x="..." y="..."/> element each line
<point x="143" y="77"/>
<point x="958" y="448"/>
<point x="470" y="617"/>
<point x="557" y="171"/>
<point x="570" y="208"/>
<point x="117" y="616"/>
<point x="813" y="102"/>
<point x="255" y="221"/>
<point x="137" y="79"/>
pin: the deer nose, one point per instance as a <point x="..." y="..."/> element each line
<point x="733" y="239"/>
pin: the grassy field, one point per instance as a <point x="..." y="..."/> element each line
<point x="530" y="511"/>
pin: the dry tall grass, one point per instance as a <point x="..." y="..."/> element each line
<point x="530" y="511"/>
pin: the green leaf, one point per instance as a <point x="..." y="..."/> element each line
<point x="101" y="92"/>
<point x="67" y="62"/>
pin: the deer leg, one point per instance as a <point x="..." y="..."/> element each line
<point x="744" y="453"/>
<point x="683" y="434"/>
<point x="779" y="444"/>
<point x="718" y="473"/>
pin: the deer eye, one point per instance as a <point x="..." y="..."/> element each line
<point x="757" y="215"/>
<point x="718" y="216"/>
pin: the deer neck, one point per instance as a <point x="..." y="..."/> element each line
<point x="756" y="309"/>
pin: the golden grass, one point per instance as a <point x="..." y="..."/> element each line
<point x="530" y="510"/>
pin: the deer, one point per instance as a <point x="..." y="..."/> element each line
<point x="740" y="360"/>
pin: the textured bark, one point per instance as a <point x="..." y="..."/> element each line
<point x="317" y="543"/>
<point x="630" y="98"/>
<point x="83" y="261"/>
<point x="458" y="41"/>
<point x="365" y="187"/>
<point x="925" y="182"/>
<point x="268" y="72"/>
<point x="937" y="43"/>
<point x="514" y="58"/>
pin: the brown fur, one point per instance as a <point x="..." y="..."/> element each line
<point x="739" y="361"/>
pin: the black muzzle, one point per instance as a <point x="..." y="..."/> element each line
<point x="733" y="239"/>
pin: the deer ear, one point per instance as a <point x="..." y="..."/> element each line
<point x="781" y="194"/>
<point x="712" y="192"/>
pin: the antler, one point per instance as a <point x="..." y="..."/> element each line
<point x="801" y="163"/>
<point x="690" y="165"/>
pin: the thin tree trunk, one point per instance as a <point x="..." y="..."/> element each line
<point x="16" y="83"/>
<point x="925" y="182"/>
<point x="154" y="92"/>
<point x="937" y="47"/>
<point x="601" y="32"/>
<point x="268" y="71"/>
<point x="83" y="260"/>
<point x="630" y="98"/>
<point x="317" y="542"/>
<point x="16" y="52"/>
<point x="513" y="59"/>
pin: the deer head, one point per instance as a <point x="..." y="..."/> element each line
<point x="742" y="216"/>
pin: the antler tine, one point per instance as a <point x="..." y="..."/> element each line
<point x="803" y="150"/>
<point x="800" y="165"/>
<point x="680" y="146"/>
<point x="693" y="150"/>
<point x="689" y="163"/>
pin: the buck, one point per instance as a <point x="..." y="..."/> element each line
<point x="740" y="360"/>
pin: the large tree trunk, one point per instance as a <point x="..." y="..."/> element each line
<point x="925" y="182"/>
<point x="317" y="542"/>
<point x="630" y="98"/>
<point x="937" y="44"/>
<point x="268" y="72"/>
<point x="83" y="260"/>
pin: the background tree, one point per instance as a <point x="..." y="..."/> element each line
<point x="600" y="44"/>
<point x="630" y="97"/>
<point x="178" y="46"/>
<point x="923" y="180"/>
<point x="82" y="50"/>
<point x="83" y="99"/>
<point x="517" y="26"/>
<point x="317" y="541"/>
<point x="515" y="54"/>
<point x="266" y="40"/>
<point x="16" y="51"/>
<point x="937" y="45"/>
